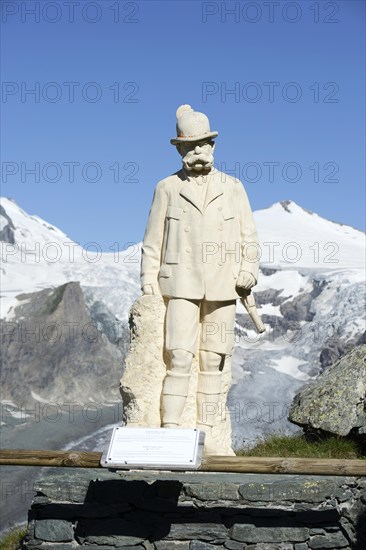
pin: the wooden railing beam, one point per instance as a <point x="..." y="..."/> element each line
<point x="230" y="464"/>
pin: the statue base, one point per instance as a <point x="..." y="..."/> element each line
<point x="145" y="369"/>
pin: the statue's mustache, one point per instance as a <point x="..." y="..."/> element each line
<point x="202" y="158"/>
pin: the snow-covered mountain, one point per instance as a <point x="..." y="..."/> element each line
<point x="292" y="236"/>
<point x="310" y="295"/>
<point x="37" y="255"/>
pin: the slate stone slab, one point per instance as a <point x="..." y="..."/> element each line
<point x="234" y="545"/>
<point x="53" y="530"/>
<point x="253" y="533"/>
<point x="111" y="531"/>
<point x="331" y="540"/>
<point x="70" y="490"/>
<point x="113" y="540"/>
<point x="270" y="546"/>
<point x="170" y="545"/>
<point x="199" y="545"/>
<point x="200" y="531"/>
<point x="212" y="491"/>
<point x="283" y="490"/>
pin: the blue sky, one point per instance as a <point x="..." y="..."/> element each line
<point x="109" y="77"/>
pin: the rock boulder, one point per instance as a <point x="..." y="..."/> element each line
<point x="336" y="402"/>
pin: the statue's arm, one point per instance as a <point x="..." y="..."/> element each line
<point x="249" y="267"/>
<point x="153" y="241"/>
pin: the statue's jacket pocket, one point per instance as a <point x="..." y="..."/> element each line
<point x="174" y="212"/>
<point x="171" y="258"/>
<point x="228" y="213"/>
<point x="165" y="271"/>
<point x="172" y="229"/>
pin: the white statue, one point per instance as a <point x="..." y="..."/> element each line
<point x="200" y="250"/>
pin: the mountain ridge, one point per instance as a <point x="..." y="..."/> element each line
<point x="38" y="255"/>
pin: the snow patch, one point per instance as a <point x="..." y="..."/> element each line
<point x="38" y="398"/>
<point x="269" y="309"/>
<point x="290" y="365"/>
<point x="289" y="282"/>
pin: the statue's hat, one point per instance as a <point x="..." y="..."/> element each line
<point x="191" y="126"/>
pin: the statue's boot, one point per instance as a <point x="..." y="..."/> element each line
<point x="208" y="401"/>
<point x="174" y="396"/>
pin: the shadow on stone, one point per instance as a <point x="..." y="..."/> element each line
<point x="360" y="543"/>
<point x="122" y="513"/>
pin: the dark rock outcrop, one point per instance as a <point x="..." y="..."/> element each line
<point x="53" y="349"/>
<point x="336" y="402"/>
<point x="6" y="230"/>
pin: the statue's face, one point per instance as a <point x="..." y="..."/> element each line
<point x="197" y="156"/>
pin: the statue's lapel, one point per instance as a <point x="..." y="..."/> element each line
<point x="215" y="187"/>
<point x="189" y="191"/>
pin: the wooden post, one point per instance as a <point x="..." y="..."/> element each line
<point x="230" y="464"/>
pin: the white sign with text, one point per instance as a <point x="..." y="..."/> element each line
<point x="154" y="448"/>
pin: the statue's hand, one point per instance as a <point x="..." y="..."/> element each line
<point x="150" y="289"/>
<point x="245" y="280"/>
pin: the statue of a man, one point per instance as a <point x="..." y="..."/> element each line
<point x="200" y="250"/>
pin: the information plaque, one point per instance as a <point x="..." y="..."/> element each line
<point x="154" y="448"/>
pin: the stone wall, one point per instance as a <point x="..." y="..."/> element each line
<point x="102" y="510"/>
